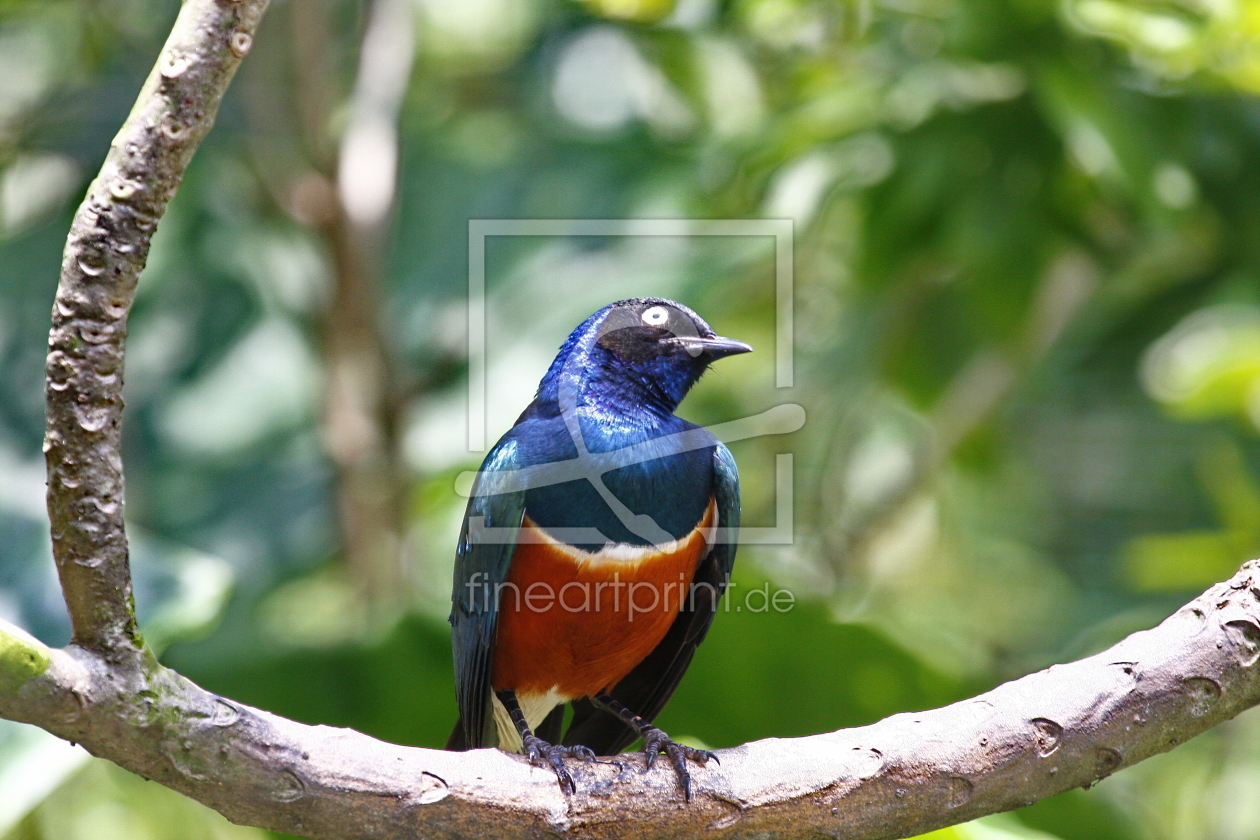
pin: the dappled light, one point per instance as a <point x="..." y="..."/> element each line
<point x="1023" y="336"/>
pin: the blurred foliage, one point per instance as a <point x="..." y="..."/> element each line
<point x="1027" y="338"/>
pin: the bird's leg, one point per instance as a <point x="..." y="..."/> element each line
<point x="655" y="741"/>
<point x="539" y="752"/>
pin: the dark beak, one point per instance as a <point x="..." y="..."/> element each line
<point x="715" y="347"/>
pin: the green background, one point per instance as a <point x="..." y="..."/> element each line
<point x="1026" y="274"/>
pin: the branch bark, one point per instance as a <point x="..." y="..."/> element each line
<point x="1061" y="728"/>
<point x="1065" y="727"/>
<point x="105" y="252"/>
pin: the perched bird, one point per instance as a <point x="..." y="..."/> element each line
<point x="597" y="542"/>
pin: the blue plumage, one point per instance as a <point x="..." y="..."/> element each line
<point x="599" y="460"/>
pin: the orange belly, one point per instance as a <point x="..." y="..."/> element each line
<point x="592" y="617"/>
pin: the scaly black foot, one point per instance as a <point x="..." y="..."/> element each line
<point x="656" y="741"/>
<point x="539" y="752"/>
<point x="542" y="754"/>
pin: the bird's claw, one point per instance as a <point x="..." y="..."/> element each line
<point x="543" y="754"/>
<point x="655" y="742"/>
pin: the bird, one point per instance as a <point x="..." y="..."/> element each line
<point x="598" y="539"/>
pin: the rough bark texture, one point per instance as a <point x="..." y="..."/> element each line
<point x="105" y="252"/>
<point x="1058" y="729"/>
<point x="1046" y="733"/>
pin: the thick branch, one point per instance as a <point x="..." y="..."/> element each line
<point x="1062" y="728"/>
<point x="105" y="252"/>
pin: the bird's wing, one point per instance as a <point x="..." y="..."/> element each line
<point x="647" y="688"/>
<point x="481" y="564"/>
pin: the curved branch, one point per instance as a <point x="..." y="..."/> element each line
<point x="105" y="252"/>
<point x="1046" y="733"/>
<point x="1061" y="728"/>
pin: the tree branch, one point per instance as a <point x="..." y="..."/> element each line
<point x="1049" y="732"/>
<point x="1061" y="728"/>
<point x="105" y="252"/>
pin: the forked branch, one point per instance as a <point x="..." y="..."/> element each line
<point x="1049" y="732"/>
<point x="1058" y="729"/>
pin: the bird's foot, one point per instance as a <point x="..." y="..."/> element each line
<point x="543" y="754"/>
<point x="655" y="742"/>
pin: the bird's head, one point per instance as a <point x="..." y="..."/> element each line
<point x="641" y="351"/>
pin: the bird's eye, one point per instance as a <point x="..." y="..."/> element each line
<point x="657" y="316"/>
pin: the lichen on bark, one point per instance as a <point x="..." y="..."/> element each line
<point x="22" y="658"/>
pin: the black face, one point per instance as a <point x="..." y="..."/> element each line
<point x="641" y="330"/>
<point x="644" y="329"/>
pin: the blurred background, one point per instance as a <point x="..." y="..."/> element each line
<point x="1027" y="342"/>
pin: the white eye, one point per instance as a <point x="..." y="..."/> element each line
<point x="657" y="316"/>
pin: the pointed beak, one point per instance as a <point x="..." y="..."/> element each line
<point x="716" y="347"/>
